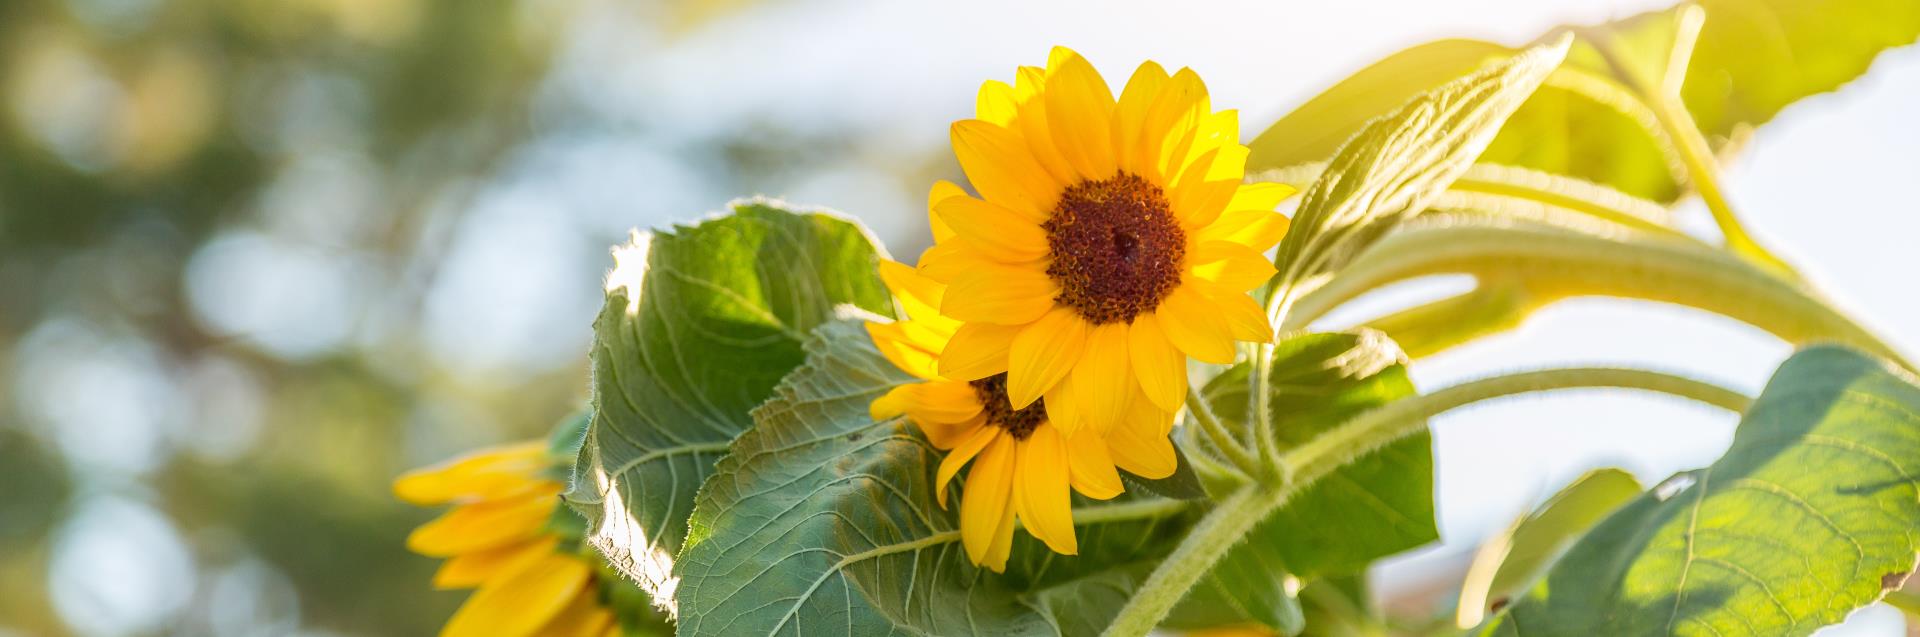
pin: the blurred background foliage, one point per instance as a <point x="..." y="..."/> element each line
<point x="259" y="256"/>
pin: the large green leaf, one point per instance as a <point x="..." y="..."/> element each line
<point x="1809" y="515"/>
<point x="823" y="521"/>
<point x="1509" y="563"/>
<point x="1395" y="166"/>
<point x="1751" y="59"/>
<point x="1374" y="507"/>
<point x="1317" y="128"/>
<point x="699" y="325"/>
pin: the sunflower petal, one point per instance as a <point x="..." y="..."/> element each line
<point x="1159" y="366"/>
<point x="969" y="446"/>
<point x="1080" y="114"/>
<point x="1247" y="321"/>
<point x="900" y="348"/>
<point x="918" y="294"/>
<point x="1171" y="123"/>
<point x="984" y="501"/>
<point x="893" y="403"/>
<point x="946" y="261"/>
<point x="999" y="294"/>
<point x="942" y="401"/>
<point x="485" y="474"/>
<point x="1032" y="124"/>
<point x="518" y="602"/>
<point x="1041" y="493"/>
<point x="1103" y="380"/>
<point x="1142" y="448"/>
<point x="584" y="617"/>
<point x="999" y="165"/>
<point x="1063" y="411"/>
<point x="468" y="570"/>
<point x="1043" y="354"/>
<point x="1090" y="467"/>
<point x="942" y="190"/>
<point x="1002" y="545"/>
<point x="487" y="525"/>
<point x="995" y="103"/>
<point x="1256" y="229"/>
<point x="977" y="350"/>
<point x="1231" y="265"/>
<point x="1260" y="196"/>
<point x="1194" y="327"/>
<point x="1002" y="234"/>
<point x="1130" y="114"/>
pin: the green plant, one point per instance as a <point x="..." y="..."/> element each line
<point x="736" y="467"/>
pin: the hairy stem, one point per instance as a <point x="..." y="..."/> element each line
<point x="1233" y="517"/>
<point x="1218" y="434"/>
<point x="1556" y="265"/>
<point x="1209" y="540"/>
<point x="1401" y="418"/>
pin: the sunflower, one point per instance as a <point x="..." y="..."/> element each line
<point x="1023" y="463"/>
<point x="501" y="538"/>
<point x="1112" y="239"/>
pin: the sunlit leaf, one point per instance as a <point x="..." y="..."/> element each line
<point x="1509" y="563"/>
<point x="823" y="521"/>
<point x="1751" y="59"/>
<point x="1394" y="167"/>
<point x="699" y="324"/>
<point x="1808" y="516"/>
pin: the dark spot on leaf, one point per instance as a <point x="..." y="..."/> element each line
<point x="1893" y="581"/>
<point x="1498" y="603"/>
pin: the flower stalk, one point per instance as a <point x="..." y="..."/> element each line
<point x="1237" y="514"/>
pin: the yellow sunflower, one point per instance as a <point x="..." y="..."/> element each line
<point x="1112" y="239"/>
<point x="498" y="538"/>
<point x="1023" y="463"/>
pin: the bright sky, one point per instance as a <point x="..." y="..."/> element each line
<point x="1828" y="185"/>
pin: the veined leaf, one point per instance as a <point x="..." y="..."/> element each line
<point x="1317" y="128"/>
<point x="1400" y="162"/>
<point x="823" y="521"/>
<point x="1751" y="59"/>
<point x="1509" y="563"/>
<point x="1809" y="515"/>
<point x="1374" y="507"/>
<point x="699" y="325"/>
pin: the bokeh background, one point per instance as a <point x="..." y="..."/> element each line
<point x="259" y="256"/>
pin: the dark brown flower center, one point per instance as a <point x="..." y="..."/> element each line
<point x="1019" y="423"/>
<point x="1116" y="248"/>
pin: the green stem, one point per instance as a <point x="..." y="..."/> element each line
<point x="1227" y="523"/>
<point x="1556" y="265"/>
<point x="1703" y="170"/>
<point x="1401" y="418"/>
<point x="1209" y="540"/>
<point x="1217" y="433"/>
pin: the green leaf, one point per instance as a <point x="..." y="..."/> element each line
<point x="1376" y="506"/>
<point x="1755" y="57"/>
<point x="1509" y="563"/>
<point x="1751" y="59"/>
<point x="822" y="521"/>
<point x="699" y="324"/>
<point x="1399" y="163"/>
<point x="1317" y="128"/>
<point x="1808" y="516"/>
